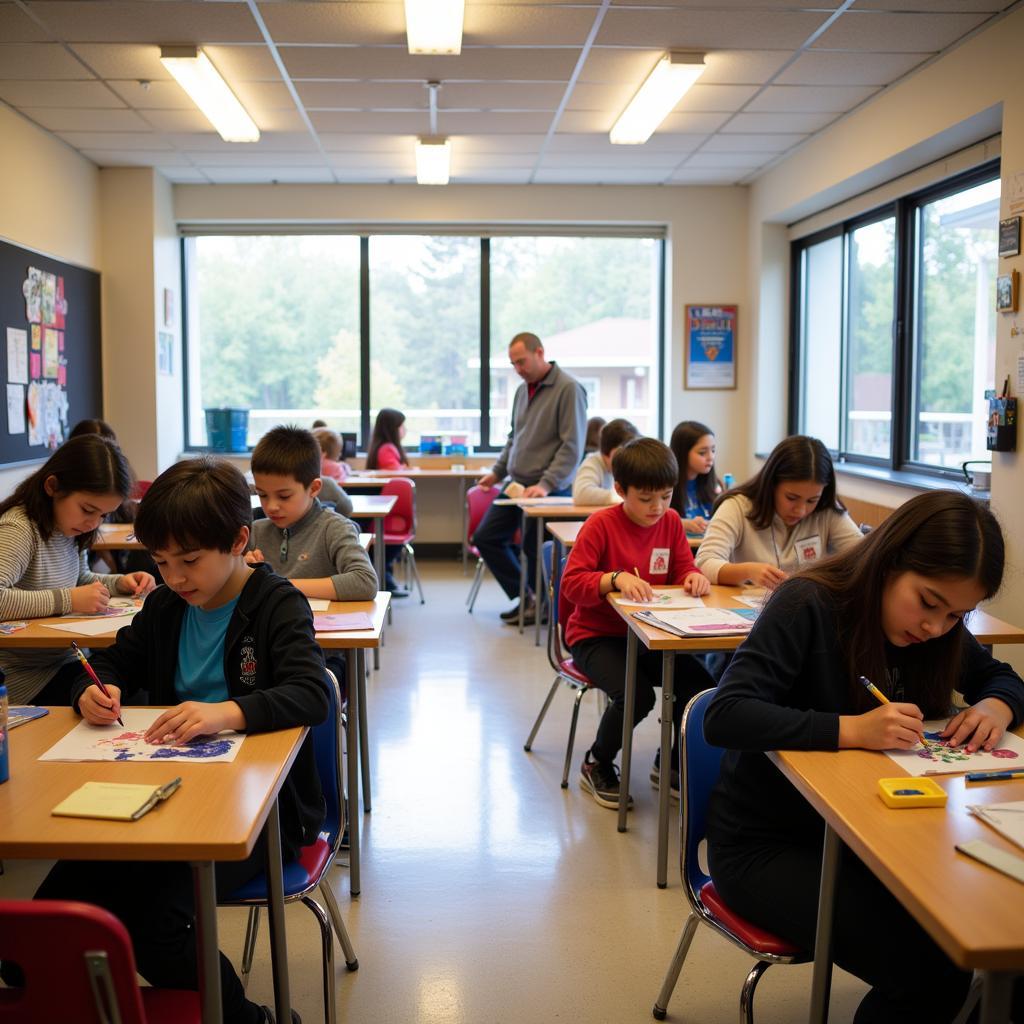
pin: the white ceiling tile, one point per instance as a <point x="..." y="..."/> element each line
<point x="661" y="142"/>
<point x="500" y="144"/>
<point x="58" y="94"/>
<point x="190" y="120"/>
<point x="395" y="62"/>
<point x="774" y="143"/>
<point x="588" y="175"/>
<point x="168" y="22"/>
<point x="39" y="61"/>
<point x="502" y="95"/>
<point x="744" y="161"/>
<point x="526" y="25"/>
<point x="364" y="95"/>
<point x="244" y="63"/>
<point x="58" y="119"/>
<point x="684" y="123"/>
<point x="835" y="68"/>
<point x="628" y="157"/>
<point x="680" y="122"/>
<point x="136" y="158"/>
<point x="493" y="177"/>
<point x="937" y="6"/>
<point x="721" y="67"/>
<point x="355" y="143"/>
<point x="713" y="98"/>
<point x="17" y="27"/>
<point x="257" y="97"/>
<point x="211" y="142"/>
<point x="264" y="158"/>
<point x="614" y="65"/>
<point x="326" y="22"/>
<point x="601" y="96"/>
<point x="402" y="160"/>
<point x="259" y="175"/>
<point x="95" y="141"/>
<point x="124" y="60"/>
<point x="492" y="122"/>
<point x="801" y="123"/>
<point x="811" y="99"/>
<point x="184" y="175"/>
<point x="152" y="95"/>
<point x="705" y="176"/>
<point x="708" y="29"/>
<point x="468" y="162"/>
<point x="896" y="33"/>
<point x="390" y="123"/>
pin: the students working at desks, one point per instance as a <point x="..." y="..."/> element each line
<point x="785" y="517"/>
<point x="386" y="451"/>
<point x="594" y="484"/>
<point x="230" y="646"/>
<point x="891" y="610"/>
<point x="46" y="527"/>
<point x="592" y="438"/>
<point x="693" y="445"/>
<point x="628" y="547"/>
<point x="331" y="463"/>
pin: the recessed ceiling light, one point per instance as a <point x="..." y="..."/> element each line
<point x="434" y="26"/>
<point x="210" y="93"/>
<point x="655" y="99"/>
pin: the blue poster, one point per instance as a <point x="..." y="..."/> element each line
<point x="710" y="347"/>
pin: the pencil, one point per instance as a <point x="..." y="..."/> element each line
<point x="995" y="775"/>
<point x="882" y="699"/>
<point x="92" y="674"/>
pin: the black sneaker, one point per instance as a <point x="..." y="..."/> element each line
<point x="529" y="615"/>
<point x="512" y="615"/>
<point x="602" y="782"/>
<point x="673" y="785"/>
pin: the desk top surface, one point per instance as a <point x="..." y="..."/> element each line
<point x="371" y="506"/>
<point x="217" y="814"/>
<point x="117" y="537"/>
<point x="557" y="511"/>
<point x="971" y="910"/>
<point x="365" y="638"/>
<point x="567" y="532"/>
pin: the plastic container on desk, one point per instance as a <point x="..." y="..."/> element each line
<point x="227" y="430"/>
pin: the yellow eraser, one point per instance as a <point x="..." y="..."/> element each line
<point x="909" y="791"/>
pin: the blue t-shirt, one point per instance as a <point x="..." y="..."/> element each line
<point x="200" y="671"/>
<point x="694" y="507"/>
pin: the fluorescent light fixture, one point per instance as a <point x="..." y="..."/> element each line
<point x="433" y="160"/>
<point x="434" y="26"/>
<point x="655" y="99"/>
<point x="210" y="93"/>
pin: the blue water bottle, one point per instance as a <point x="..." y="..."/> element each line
<point x="4" y="758"/>
<point x="728" y="480"/>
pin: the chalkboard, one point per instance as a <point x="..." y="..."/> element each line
<point x="67" y="360"/>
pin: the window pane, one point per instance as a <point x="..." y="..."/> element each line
<point x="593" y="302"/>
<point x="870" y="307"/>
<point x="955" y="341"/>
<point x="274" y="328"/>
<point x="425" y="334"/>
<point x="821" y="291"/>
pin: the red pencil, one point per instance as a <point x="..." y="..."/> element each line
<point x="95" y="678"/>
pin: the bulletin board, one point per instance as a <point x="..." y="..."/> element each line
<point x="50" y="368"/>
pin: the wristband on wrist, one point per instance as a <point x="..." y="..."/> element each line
<point x="615" y="576"/>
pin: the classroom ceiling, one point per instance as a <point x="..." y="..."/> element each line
<point x="531" y="98"/>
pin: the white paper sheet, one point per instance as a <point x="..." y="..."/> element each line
<point x="318" y="604"/>
<point x="663" y="599"/>
<point x="17" y="356"/>
<point x="97" y="626"/>
<point x="15" y="409"/>
<point x="1006" y="819"/>
<point x="939" y="759"/>
<point x="113" y="743"/>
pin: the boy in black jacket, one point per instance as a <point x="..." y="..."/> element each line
<point x="230" y="646"/>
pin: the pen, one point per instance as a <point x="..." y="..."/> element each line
<point x="92" y="674"/>
<point x="881" y="698"/>
<point x="999" y="774"/>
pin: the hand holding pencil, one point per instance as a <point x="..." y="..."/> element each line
<point x="887" y="727"/>
<point x="94" y="707"/>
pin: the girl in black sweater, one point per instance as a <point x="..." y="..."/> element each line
<point x="892" y="609"/>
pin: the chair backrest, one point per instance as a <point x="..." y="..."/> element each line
<point x="402" y="518"/>
<point x="699" y="765"/>
<point x="561" y="608"/>
<point x="478" y="501"/>
<point x="141" y="486"/>
<point x="77" y="960"/>
<point x="327" y="752"/>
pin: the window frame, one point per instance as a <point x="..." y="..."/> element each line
<point x="906" y="317"/>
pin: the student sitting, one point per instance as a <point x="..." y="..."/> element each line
<point x="229" y="646"/>
<point x="628" y="547"/>
<point x="331" y="463"/>
<point x="592" y="438"/>
<point x="785" y="517"/>
<point x="893" y="611"/>
<point x="46" y="527"/>
<point x="593" y="484"/>
<point x="693" y="445"/>
<point x="386" y="451"/>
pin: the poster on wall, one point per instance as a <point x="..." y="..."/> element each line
<point x="17" y="356"/>
<point x="710" y="352"/>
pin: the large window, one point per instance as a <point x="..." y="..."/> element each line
<point x="894" y="329"/>
<point x="334" y="327"/>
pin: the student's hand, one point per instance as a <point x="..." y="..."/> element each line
<point x="765" y="575"/>
<point x="487" y="481"/>
<point x="90" y="599"/>
<point x="138" y="584"/>
<point x="254" y="557"/>
<point x="194" y="718"/>
<point x="535" y="491"/>
<point x="97" y="709"/>
<point x="697" y="584"/>
<point x="635" y="588"/>
<point x="980" y="726"/>
<point x="894" y="726"/>
<point x="698" y="524"/>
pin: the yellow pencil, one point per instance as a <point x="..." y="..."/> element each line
<point x="882" y="699"/>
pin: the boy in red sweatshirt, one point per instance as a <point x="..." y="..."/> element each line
<point x="629" y="548"/>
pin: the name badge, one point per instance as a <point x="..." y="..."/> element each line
<point x="808" y="549"/>
<point x="659" y="562"/>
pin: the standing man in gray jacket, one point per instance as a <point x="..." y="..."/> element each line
<point x="544" y="447"/>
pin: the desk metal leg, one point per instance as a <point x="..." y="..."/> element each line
<point x="627" y="727"/>
<point x="356" y="667"/>
<point x="522" y="571"/>
<point x="364" y="741"/>
<point x="538" y="582"/>
<point x="378" y="560"/>
<point x="275" y="912"/>
<point x="668" y="668"/>
<point x="207" y="956"/>
<point x="821" y="983"/>
<point x="996" y="995"/>
<point x="465" y="525"/>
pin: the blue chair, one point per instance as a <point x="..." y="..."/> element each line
<point x="699" y="766"/>
<point x="309" y="871"/>
<point x="565" y="670"/>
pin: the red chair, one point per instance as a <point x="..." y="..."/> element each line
<point x="141" y="486"/>
<point x="565" y="670"/>
<point x="79" y="966"/>
<point x="478" y="501"/>
<point x="400" y="525"/>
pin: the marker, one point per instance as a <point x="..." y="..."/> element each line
<point x="882" y="699"/>
<point x="95" y="678"/>
<point x="996" y="776"/>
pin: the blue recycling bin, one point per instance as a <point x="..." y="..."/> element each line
<point x="227" y="430"/>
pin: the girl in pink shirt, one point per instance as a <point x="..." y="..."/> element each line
<point x="385" y="450"/>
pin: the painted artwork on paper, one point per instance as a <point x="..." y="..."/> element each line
<point x="936" y="757"/>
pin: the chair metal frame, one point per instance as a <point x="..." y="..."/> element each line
<point x="402" y="487"/>
<point x="471" y="525"/>
<point x="699" y="765"/>
<point x="334" y="830"/>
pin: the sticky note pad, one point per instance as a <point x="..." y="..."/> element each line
<point x="118" y="801"/>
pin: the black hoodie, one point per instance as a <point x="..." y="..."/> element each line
<point x="273" y="667"/>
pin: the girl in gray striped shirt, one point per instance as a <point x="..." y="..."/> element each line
<point x="46" y="527"/>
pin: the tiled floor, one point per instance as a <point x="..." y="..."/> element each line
<point x="489" y="893"/>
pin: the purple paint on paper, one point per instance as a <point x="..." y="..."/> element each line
<point x="198" y="749"/>
<point x="124" y="755"/>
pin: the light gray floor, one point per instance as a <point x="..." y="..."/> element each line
<point x="489" y="893"/>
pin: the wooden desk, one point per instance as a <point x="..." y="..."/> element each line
<point x="357" y="737"/>
<point x="117" y="537"/>
<point x="375" y="507"/>
<point x="217" y="814"/>
<point x="912" y="853"/>
<point x="566" y="534"/>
